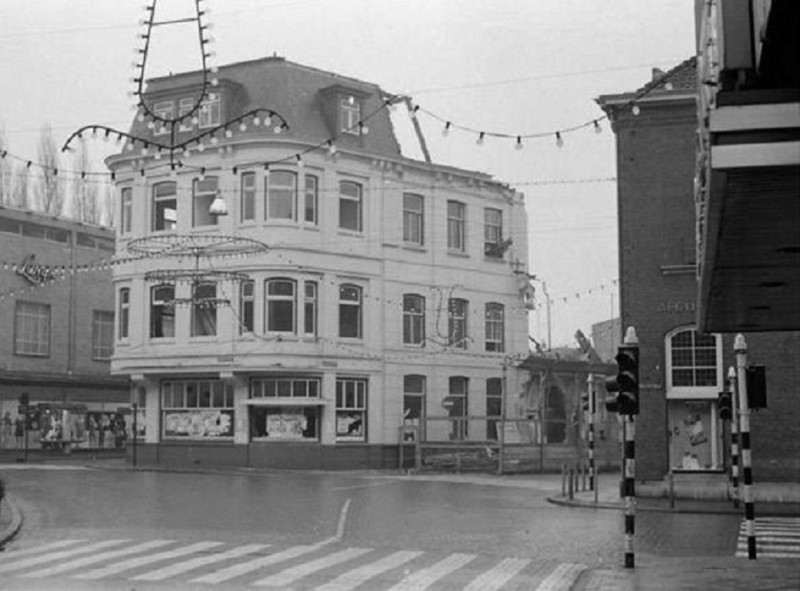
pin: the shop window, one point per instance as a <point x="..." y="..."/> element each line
<point x="350" y="311"/>
<point x="311" y="199"/>
<point x="413" y="218"/>
<point x="246" y="306"/>
<point x="310" y="308"/>
<point x="281" y="195"/>
<point x="102" y="335"/>
<point x="281" y="303"/>
<point x="457" y="407"/>
<point x="456" y="226"/>
<point x="413" y="319"/>
<point x="126" y="210"/>
<point x="494" y="406"/>
<point x="197" y="409"/>
<point x="162" y="311"/>
<point x="280" y="420"/>
<point x="204" y="310"/>
<point x="351" y="409"/>
<point x="350" y="206"/>
<point x="457" y="323"/>
<point x="32" y="329"/>
<point x="555" y="415"/>
<point x="492" y="232"/>
<point x="248" y="196"/>
<point x="414" y="405"/>
<point x="165" y="206"/>
<point x="495" y="328"/>
<point x="123" y="325"/>
<point x="693" y="364"/>
<point x="204" y="191"/>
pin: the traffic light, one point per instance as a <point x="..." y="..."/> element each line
<point x="756" y="376"/>
<point x="625" y="383"/>
<point x="725" y="403"/>
<point x="585" y="407"/>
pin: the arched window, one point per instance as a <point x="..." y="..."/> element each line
<point x="693" y="363"/>
<point x="162" y="311"/>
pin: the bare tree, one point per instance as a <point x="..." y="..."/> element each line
<point x="20" y="192"/>
<point x="47" y="189"/>
<point x="109" y="205"/>
<point x="6" y="170"/>
<point x="84" y="188"/>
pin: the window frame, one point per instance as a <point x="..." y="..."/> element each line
<point x="460" y="422"/>
<point x="311" y="195"/>
<point x="692" y="391"/>
<point x="272" y="301"/>
<point x="414" y="220"/>
<point x="276" y="191"/>
<point x="310" y="308"/>
<point x="421" y="396"/>
<point x="456" y="226"/>
<point x="356" y="201"/>
<point x="494" y="401"/>
<point x="247" y="307"/>
<point x="32" y="317"/>
<point x="210" y="112"/>
<point x="160" y="309"/>
<point x="202" y="200"/>
<point x="185" y="105"/>
<point x="160" y="209"/>
<point x="356" y="305"/>
<point x="203" y="320"/>
<point x="492" y="231"/>
<point x="102" y="335"/>
<point x="351" y="409"/>
<point x="413" y="319"/>
<point x="457" y="316"/>
<point x="495" y="331"/>
<point x="247" y="197"/>
<point x="164" y="110"/>
<point x="175" y="398"/>
<point x="124" y="318"/>
<point x="349" y="115"/>
<point x="126" y="210"/>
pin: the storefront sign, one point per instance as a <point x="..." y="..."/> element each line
<point x="35" y="274"/>
<point x="676" y="307"/>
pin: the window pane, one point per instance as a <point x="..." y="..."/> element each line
<point x="281" y="195"/>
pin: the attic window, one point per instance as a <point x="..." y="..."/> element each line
<point x="349" y="115"/>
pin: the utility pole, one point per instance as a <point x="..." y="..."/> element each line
<point x="740" y="350"/>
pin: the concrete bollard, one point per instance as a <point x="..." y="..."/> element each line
<point x="571" y="490"/>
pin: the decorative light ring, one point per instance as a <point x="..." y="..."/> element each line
<point x="195" y="244"/>
<point x="194" y="276"/>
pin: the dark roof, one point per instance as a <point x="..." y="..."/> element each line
<point x="296" y="92"/>
<point x="681" y="77"/>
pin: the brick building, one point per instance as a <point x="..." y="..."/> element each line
<point x="57" y="315"/>
<point x="682" y="370"/>
<point x="393" y="291"/>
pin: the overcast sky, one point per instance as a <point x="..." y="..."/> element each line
<point x="516" y="67"/>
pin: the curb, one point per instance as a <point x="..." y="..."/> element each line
<point x="7" y="534"/>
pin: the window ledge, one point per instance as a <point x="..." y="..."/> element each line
<point x="351" y="233"/>
<point x="457" y="253"/>
<point x="411" y="247"/>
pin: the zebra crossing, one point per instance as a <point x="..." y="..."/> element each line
<point x="324" y="566"/>
<point x="776" y="537"/>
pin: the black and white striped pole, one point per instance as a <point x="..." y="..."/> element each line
<point x="740" y="351"/>
<point x="590" y="393"/>
<point x="734" y="437"/>
<point x="626" y="403"/>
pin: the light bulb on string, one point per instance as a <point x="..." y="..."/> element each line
<point x="597" y="128"/>
<point x="446" y="130"/>
<point x="228" y="133"/>
<point x="201" y="147"/>
<point x="256" y="121"/>
<point x="242" y="126"/>
<point x="157" y="155"/>
<point x="214" y="140"/>
<point x="559" y="140"/>
<point x="278" y="129"/>
<point x="519" y="145"/>
<point x="480" y="139"/>
<point x="267" y="120"/>
<point x="331" y="148"/>
<point x="300" y="162"/>
<point x="635" y="109"/>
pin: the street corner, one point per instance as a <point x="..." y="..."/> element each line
<point x="10" y="520"/>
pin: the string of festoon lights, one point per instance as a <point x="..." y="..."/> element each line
<point x="215" y="137"/>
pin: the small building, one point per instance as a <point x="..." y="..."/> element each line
<point x="57" y="312"/>
<point x="389" y="291"/>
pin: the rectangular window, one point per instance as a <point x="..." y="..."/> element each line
<point x="184" y="106"/>
<point x="124" y="312"/>
<point x="210" y="111"/>
<point x="281" y="305"/>
<point x="495" y="328"/>
<point x="204" y="310"/>
<point x="248" y="196"/>
<point x="246" y="306"/>
<point x="457" y="323"/>
<point x="693" y="359"/>
<point x="197" y="409"/>
<point x="165" y="206"/>
<point x="310" y="308"/>
<point x="494" y="406"/>
<point x="281" y="195"/>
<point x="102" y="335"/>
<point x="456" y="221"/>
<point x="204" y="191"/>
<point x="350" y="115"/>
<point x="311" y="199"/>
<point x="350" y="204"/>
<point x="413" y="227"/>
<point x="492" y="232"/>
<point x="350" y="312"/>
<point x="285" y="422"/>
<point x="162" y="312"/>
<point x="32" y="329"/>
<point x="163" y="110"/>
<point x="457" y="407"/>
<point x="414" y="406"/>
<point x="126" y="210"/>
<point x="351" y="409"/>
<point x="413" y="319"/>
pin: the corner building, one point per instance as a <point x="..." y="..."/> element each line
<point x="393" y="291"/>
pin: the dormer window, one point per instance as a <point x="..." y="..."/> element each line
<point x="185" y="105"/>
<point x="349" y="115"/>
<point x="210" y="111"/>
<point x="164" y="110"/>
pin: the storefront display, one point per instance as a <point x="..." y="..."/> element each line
<point x="693" y="435"/>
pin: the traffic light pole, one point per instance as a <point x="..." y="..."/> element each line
<point x="740" y="350"/>
<point x="629" y="488"/>
<point x="590" y="434"/>
<point x="734" y="437"/>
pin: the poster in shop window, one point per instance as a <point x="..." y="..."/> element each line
<point x="286" y="426"/>
<point x="350" y="426"/>
<point x="198" y="424"/>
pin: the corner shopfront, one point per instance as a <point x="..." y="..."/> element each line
<point x="299" y="420"/>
